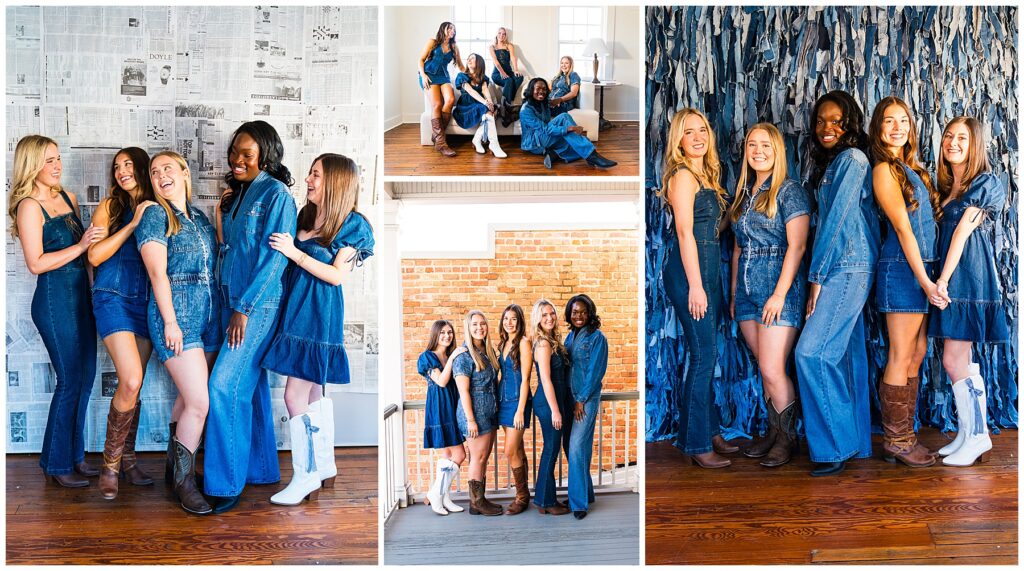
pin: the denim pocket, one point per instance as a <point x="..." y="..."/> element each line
<point x="254" y="218"/>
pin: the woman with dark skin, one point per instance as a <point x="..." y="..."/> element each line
<point x="433" y="69"/>
<point x="554" y="137"/>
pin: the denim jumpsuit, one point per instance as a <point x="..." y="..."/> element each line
<point x="764" y="243"/>
<point x="468" y="112"/>
<point x="508" y="393"/>
<point x="896" y="288"/>
<point x="481" y="393"/>
<point x="976" y="310"/>
<point x="831" y="354"/>
<point x="554" y="440"/>
<point x="440" y="427"/>
<point x="61" y="312"/>
<point x="191" y="254"/>
<point x="240" y="443"/>
<point x="560" y="88"/>
<point x="541" y="132"/>
<point x="588" y="357"/>
<point x="436" y="66"/>
<point x="698" y="420"/>
<point x="510" y="86"/>
<point x="120" y="294"/>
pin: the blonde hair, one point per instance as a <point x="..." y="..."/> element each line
<point x="173" y="224"/>
<point x="572" y="66"/>
<point x="676" y="159"/>
<point x="489" y="353"/>
<point x="29" y="160"/>
<point x="977" y="159"/>
<point x="767" y="203"/>
<point x="554" y="338"/>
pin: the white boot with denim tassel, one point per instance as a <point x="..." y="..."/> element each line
<point x="962" y="404"/>
<point x="451" y="473"/>
<point x="436" y="493"/>
<point x="323" y="442"/>
<point x="305" y="479"/>
<point x="977" y="442"/>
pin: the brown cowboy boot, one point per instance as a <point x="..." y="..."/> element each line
<point x="760" y="446"/>
<point x="129" y="462"/>
<point x="785" y="437"/>
<point x="897" y="445"/>
<point x="441" y="143"/>
<point x="478" y="504"/>
<point x="185" y="488"/>
<point x="522" y="500"/>
<point x="118" y="424"/>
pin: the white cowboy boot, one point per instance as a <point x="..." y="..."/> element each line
<point x="451" y="473"/>
<point x="478" y="137"/>
<point x="962" y="404"/>
<point x="323" y="442"/>
<point x="436" y="493"/>
<point x="492" y="136"/>
<point x="976" y="443"/>
<point x="305" y="479"/>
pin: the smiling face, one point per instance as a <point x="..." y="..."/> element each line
<point x="548" y="318"/>
<point x="759" y="152"/>
<point x="540" y="91"/>
<point x="828" y="125"/>
<point x="895" y="128"/>
<point x="502" y="36"/>
<point x="449" y="31"/>
<point x="478" y="327"/>
<point x="445" y="337"/>
<point x="694" y="142"/>
<point x="168" y="178"/>
<point x="244" y="158"/>
<point x="314" y="183"/>
<point x="124" y="173"/>
<point x="49" y="176"/>
<point x="471" y="64"/>
<point x="565" y="65"/>
<point x="510" y="322"/>
<point x="579" y="315"/>
<point x="956" y="144"/>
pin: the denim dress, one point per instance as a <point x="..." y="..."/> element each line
<point x="481" y="392"/>
<point x="310" y="340"/>
<point x="61" y="312"/>
<point x="896" y="288"/>
<point x="440" y="426"/>
<point x="468" y="112"/>
<point x="554" y="440"/>
<point x="120" y="294"/>
<point x="975" y="312"/>
<point x="542" y="131"/>
<point x="510" y="86"/>
<point x="763" y="243"/>
<point x="559" y="88"/>
<point x="436" y="66"/>
<point x="191" y="254"/>
<point x="508" y="393"/>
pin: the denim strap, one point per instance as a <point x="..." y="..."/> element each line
<point x="975" y="395"/>
<point x="310" y="430"/>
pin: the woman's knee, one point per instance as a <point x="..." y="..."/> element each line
<point x="130" y="385"/>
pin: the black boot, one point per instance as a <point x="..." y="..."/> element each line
<point x="185" y="488"/>
<point x="596" y="160"/>
<point x="549" y="158"/>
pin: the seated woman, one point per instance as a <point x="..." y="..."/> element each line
<point x="503" y="54"/>
<point x="475" y="107"/>
<point x="558" y="137"/>
<point x="565" y="88"/>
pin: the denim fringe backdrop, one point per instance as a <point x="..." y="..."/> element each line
<point x="741" y="65"/>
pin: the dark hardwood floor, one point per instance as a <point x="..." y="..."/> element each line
<point x="51" y="525"/>
<point x="404" y="156"/>
<point x="873" y="513"/>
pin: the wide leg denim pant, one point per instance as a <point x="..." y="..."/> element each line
<point x="832" y="372"/>
<point x="62" y="312"/>
<point x="581" y="451"/>
<point x="554" y="441"/>
<point x="570" y="146"/>
<point x="240" y="443"/>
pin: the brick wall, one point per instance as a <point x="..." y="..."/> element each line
<point x="529" y="265"/>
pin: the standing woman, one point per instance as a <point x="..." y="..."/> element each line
<point x="588" y="357"/>
<point x="515" y="403"/>
<point x="555" y="138"/>
<point x="178" y="246"/>
<point x="440" y="425"/>
<point x="554" y="404"/>
<point x="505" y="75"/>
<point x="45" y="220"/>
<point x="120" y="298"/>
<point x="476" y="373"/>
<point x="475" y="107"/>
<point x="972" y="199"/>
<point x="771" y="217"/>
<point x="831" y="354"/>
<point x="438" y="53"/>
<point x="565" y="88"/>
<point x="240" y="443"/>
<point x="309" y="347"/>
<point x="904" y="283"/>
<point x="692" y="278"/>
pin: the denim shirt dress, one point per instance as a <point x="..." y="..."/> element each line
<point x="468" y="112"/>
<point x="764" y="244"/>
<point x="560" y="88"/>
<point x="440" y="426"/>
<point x="588" y="357"/>
<point x="481" y="392"/>
<point x="191" y="254"/>
<point x="976" y="310"/>
<point x="120" y="294"/>
<point x="896" y="287"/>
<point x="310" y="339"/>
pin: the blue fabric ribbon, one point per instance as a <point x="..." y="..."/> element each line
<point x="975" y="394"/>
<point x="310" y="430"/>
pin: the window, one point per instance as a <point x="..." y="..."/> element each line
<point x="576" y="25"/>
<point x="475" y="28"/>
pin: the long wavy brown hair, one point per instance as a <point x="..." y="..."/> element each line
<point x="435" y="335"/>
<point x="120" y="200"/>
<point x="977" y="159"/>
<point x="908" y="155"/>
<point x="517" y="337"/>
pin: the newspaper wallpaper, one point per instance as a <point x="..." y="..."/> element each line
<point x="97" y="79"/>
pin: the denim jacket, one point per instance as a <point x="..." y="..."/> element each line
<point x="251" y="270"/>
<point x="538" y="134"/>
<point x="847" y="236"/>
<point x="922" y="223"/>
<point x="588" y="354"/>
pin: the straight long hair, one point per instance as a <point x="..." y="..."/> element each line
<point x="767" y="202"/>
<point x="520" y="332"/>
<point x="340" y="197"/>
<point x="977" y="160"/>
<point x="29" y="160"/>
<point x="489" y="354"/>
<point x="907" y="155"/>
<point x="435" y="335"/>
<point x="477" y="75"/>
<point x="554" y="338"/>
<point x="709" y="175"/>
<point x="120" y="199"/>
<point x="173" y="224"/>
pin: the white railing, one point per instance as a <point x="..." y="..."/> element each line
<point x="392" y="496"/>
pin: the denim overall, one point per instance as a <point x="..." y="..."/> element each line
<point x="896" y="287"/>
<point x="560" y="88"/>
<point x="508" y="393"/>
<point x="440" y="427"/>
<point x="541" y="132"/>
<point x="698" y="420"/>
<point x="481" y="393"/>
<point x="436" y="66"/>
<point x="509" y="86"/>
<point x="468" y="112"/>
<point x="120" y="294"/>
<point x="554" y="440"/>
<point x="588" y="357"/>
<point x="831" y="354"/>
<point x="61" y="312"/>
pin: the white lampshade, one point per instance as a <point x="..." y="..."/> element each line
<point x="595" y="46"/>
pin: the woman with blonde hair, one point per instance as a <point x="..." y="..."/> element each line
<point x="565" y="88"/>
<point x="553" y="403"/>
<point x="178" y="246"/>
<point x="695" y="200"/>
<point x="505" y="75"/>
<point x="45" y="220"/>
<point x="771" y="218"/>
<point x="476" y="372"/>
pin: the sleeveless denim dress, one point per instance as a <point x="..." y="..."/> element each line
<point x="896" y="288"/>
<point x="120" y="294"/>
<point x="436" y="66"/>
<point x="508" y="393"/>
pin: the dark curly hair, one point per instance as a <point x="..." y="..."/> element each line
<point x="593" y="321"/>
<point x="853" y="135"/>
<point x="271" y="155"/>
<point x="528" y="93"/>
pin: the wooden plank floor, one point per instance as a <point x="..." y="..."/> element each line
<point x="610" y="534"/>
<point x="872" y="513"/>
<point x="404" y="156"/>
<point x="51" y="525"/>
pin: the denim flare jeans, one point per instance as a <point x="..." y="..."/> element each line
<point x="554" y="441"/>
<point x="581" y="450"/>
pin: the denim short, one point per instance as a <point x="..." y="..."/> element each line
<point x="896" y="288"/>
<point x="755" y="283"/>
<point x="116" y="313"/>
<point x="199" y="317"/>
<point x="484" y="411"/>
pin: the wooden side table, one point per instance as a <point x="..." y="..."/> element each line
<point x="601" y="85"/>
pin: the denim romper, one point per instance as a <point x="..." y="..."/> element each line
<point x="468" y="112"/>
<point x="190" y="259"/>
<point x="510" y="86"/>
<point x="481" y="391"/>
<point x="896" y="288"/>
<point x="436" y="66"/>
<point x="764" y="243"/>
<point x="440" y="427"/>
<point x="559" y="88"/>
<point x="508" y="391"/>
<point x="310" y="339"/>
<point x="976" y="311"/>
<point x="120" y="294"/>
